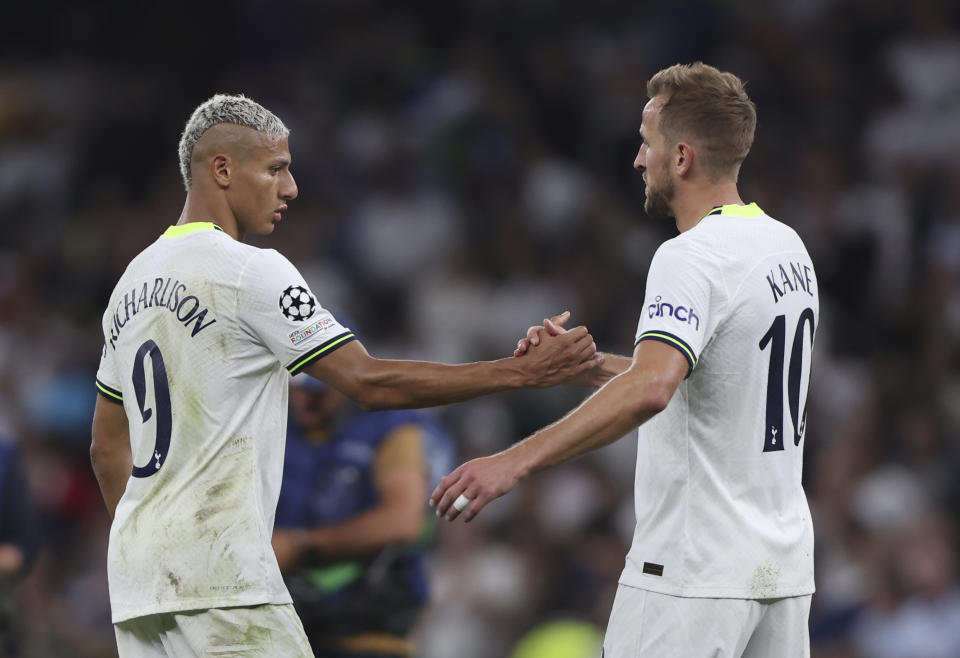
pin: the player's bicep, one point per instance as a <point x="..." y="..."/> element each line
<point x="345" y="369"/>
<point x="679" y="302"/>
<point x="111" y="430"/>
<point x="276" y="308"/>
<point x="658" y="368"/>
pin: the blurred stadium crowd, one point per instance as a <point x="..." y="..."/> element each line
<point x="465" y="171"/>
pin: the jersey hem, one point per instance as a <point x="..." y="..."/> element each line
<point x="720" y="592"/>
<point x="198" y="604"/>
<point x="109" y="393"/>
<point x="316" y="353"/>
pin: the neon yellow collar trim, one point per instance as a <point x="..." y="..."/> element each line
<point x="749" y="210"/>
<point x="189" y="227"/>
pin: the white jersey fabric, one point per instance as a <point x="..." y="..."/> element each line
<point x="720" y="508"/>
<point x="202" y="333"/>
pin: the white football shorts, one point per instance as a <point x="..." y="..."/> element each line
<point x="264" y="630"/>
<point x="646" y="624"/>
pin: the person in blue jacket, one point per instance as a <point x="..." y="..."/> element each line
<point x="352" y="521"/>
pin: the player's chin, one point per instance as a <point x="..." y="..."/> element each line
<point x="267" y="227"/>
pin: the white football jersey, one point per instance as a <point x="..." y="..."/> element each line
<point x="202" y="333"/>
<point x="720" y="509"/>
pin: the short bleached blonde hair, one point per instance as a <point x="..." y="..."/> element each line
<point x="223" y="108"/>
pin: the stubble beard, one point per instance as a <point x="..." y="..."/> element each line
<point x="657" y="205"/>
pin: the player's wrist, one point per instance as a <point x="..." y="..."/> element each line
<point x="521" y="459"/>
<point x="511" y="373"/>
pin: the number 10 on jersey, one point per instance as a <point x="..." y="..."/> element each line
<point x="776" y="339"/>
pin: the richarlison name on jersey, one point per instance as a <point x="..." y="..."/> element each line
<point x="798" y="278"/>
<point x="167" y="293"/>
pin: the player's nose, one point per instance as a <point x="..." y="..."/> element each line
<point x="640" y="162"/>
<point x="288" y="190"/>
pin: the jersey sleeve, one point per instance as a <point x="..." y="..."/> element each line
<point x="677" y="305"/>
<point x="108" y="380"/>
<point x="276" y="307"/>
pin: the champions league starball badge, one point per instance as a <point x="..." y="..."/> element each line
<point x="296" y="303"/>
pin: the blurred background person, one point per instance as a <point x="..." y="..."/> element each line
<point x="19" y="541"/>
<point x="914" y="608"/>
<point x="352" y="522"/>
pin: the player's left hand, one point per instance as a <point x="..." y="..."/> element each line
<point x="481" y="480"/>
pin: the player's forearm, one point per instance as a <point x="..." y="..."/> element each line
<point x="613" y="365"/>
<point x="112" y="468"/>
<point x="368" y="532"/>
<point x="609" y="414"/>
<point x="413" y="384"/>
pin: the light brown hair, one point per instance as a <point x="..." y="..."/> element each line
<point x="710" y="108"/>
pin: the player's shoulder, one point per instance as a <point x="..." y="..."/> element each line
<point x="262" y="261"/>
<point x="733" y="237"/>
<point x="687" y="247"/>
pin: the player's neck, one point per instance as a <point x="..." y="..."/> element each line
<point x="692" y="206"/>
<point x="199" y="208"/>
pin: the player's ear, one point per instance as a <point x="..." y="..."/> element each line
<point x="221" y="168"/>
<point x="683" y="158"/>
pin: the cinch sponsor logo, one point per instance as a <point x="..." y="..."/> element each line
<point x="659" y="309"/>
<point x="301" y="335"/>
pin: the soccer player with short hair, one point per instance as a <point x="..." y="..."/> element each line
<point x="722" y="554"/>
<point x="201" y="336"/>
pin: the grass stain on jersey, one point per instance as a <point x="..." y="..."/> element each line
<point x="766" y="577"/>
<point x="174" y="580"/>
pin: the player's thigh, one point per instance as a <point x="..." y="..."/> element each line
<point x="783" y="629"/>
<point x="646" y="624"/>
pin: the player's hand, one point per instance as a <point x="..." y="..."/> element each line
<point x="553" y="326"/>
<point x="481" y="480"/>
<point x="592" y="376"/>
<point x="553" y="355"/>
<point x="289" y="546"/>
<point x="560" y="359"/>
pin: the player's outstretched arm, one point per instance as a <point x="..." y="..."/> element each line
<point x="110" y="451"/>
<point x="386" y="384"/>
<point x="609" y="367"/>
<point x="625" y="402"/>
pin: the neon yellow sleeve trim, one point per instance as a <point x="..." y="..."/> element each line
<point x="321" y="351"/>
<point x="109" y="394"/>
<point x="673" y="341"/>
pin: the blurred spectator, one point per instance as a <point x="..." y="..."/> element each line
<point x="352" y="522"/>
<point x="19" y="540"/>
<point x="915" y="608"/>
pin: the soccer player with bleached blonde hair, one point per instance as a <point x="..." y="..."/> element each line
<point x="201" y="336"/>
<point x="722" y="556"/>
